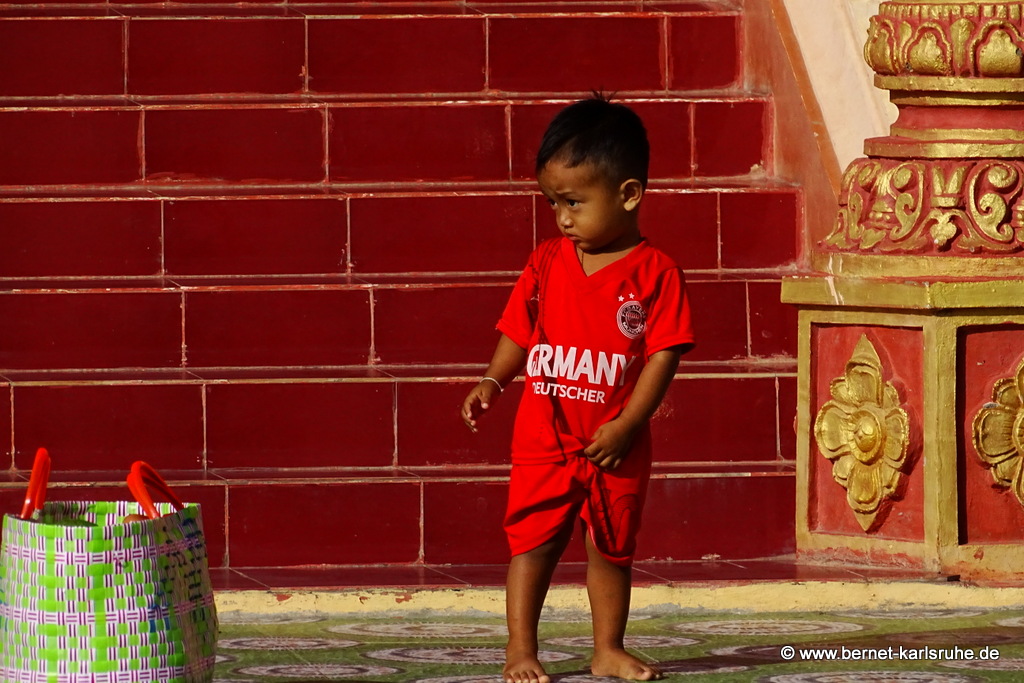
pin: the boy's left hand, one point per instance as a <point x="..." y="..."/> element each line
<point x="610" y="445"/>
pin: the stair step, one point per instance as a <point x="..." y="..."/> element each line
<point x="403" y="518"/>
<point x="370" y="8"/>
<point x="392" y="418"/>
<point x="342" y="49"/>
<point x="326" y="326"/>
<point x="79" y="479"/>
<point x="349" y="236"/>
<point x="782" y="581"/>
<point x="317" y="144"/>
<point x="427" y="373"/>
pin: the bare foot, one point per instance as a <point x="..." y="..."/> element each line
<point x="523" y="667"/>
<point x="621" y="664"/>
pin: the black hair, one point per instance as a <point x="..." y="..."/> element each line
<point x="597" y="131"/>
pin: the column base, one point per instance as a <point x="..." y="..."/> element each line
<point x="910" y="424"/>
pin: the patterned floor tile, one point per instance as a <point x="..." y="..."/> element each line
<point x="868" y="646"/>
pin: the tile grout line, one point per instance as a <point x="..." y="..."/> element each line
<point x="184" y="337"/>
<point x="326" y="166"/>
<point x="748" y="321"/>
<point x="346" y="261"/>
<point x="125" y="42"/>
<point x="10" y="393"/>
<point x="305" y="56"/>
<point x="204" y="390"/>
<point x="423" y="523"/>
<point x="718" y="229"/>
<point x="778" y="421"/>
<point x="394" y="424"/>
<point x="372" y="358"/>
<point x="487" y="53"/>
<point x="666" y="56"/>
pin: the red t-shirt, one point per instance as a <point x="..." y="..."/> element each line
<point x="588" y="338"/>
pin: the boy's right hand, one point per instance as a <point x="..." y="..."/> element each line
<point x="478" y="402"/>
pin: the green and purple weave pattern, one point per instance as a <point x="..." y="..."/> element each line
<point x="87" y="597"/>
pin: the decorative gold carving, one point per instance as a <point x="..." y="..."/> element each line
<point x="942" y="149"/>
<point x="979" y="134"/>
<point x="922" y="206"/>
<point x="949" y="178"/>
<point x="947" y="39"/>
<point x="999" y="433"/>
<point x="865" y="433"/>
<point x="962" y="92"/>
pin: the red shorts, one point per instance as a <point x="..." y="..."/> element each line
<point x="544" y="498"/>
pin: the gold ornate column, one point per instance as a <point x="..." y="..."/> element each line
<point x="911" y="404"/>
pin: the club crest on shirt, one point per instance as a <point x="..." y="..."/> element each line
<point x="632" y="319"/>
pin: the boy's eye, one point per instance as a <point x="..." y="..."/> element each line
<point x="551" y="203"/>
<point x="572" y="203"/>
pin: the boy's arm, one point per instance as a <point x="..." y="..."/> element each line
<point x="612" y="440"/>
<point x="509" y="358"/>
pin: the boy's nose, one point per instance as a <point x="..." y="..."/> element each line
<point x="564" y="220"/>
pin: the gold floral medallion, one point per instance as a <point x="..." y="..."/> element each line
<point x="999" y="433"/>
<point x="865" y="432"/>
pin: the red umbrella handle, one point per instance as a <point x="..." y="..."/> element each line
<point x="140" y="479"/>
<point x="36" y="494"/>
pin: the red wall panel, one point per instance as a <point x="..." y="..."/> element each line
<point x="283" y="144"/>
<point x="396" y="55"/>
<point x="277" y="328"/>
<point x="93" y="146"/>
<point x="46" y="57"/>
<point x="216" y="55"/>
<point x="703" y="52"/>
<point x="410" y="143"/>
<point x="686" y="519"/>
<point x="254" y="236"/>
<point x="278" y="425"/>
<point x="91" y="330"/>
<point x="290" y="525"/>
<point x="989" y="513"/>
<point x="465" y="233"/>
<point x="438" y="324"/>
<point x="76" y="238"/>
<point x="431" y="431"/>
<point x="107" y="427"/>
<point x="608" y="54"/>
<point x="729" y="138"/>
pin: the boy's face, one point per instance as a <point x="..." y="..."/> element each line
<point x="597" y="215"/>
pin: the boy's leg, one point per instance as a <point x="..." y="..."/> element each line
<point x="609" y="586"/>
<point x="529" y="576"/>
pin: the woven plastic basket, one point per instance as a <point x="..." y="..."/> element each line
<point x="85" y="596"/>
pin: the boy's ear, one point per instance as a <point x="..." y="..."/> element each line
<point x="632" y="192"/>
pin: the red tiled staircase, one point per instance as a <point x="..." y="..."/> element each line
<point x="263" y="246"/>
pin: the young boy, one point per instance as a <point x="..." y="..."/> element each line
<point x="598" y="319"/>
